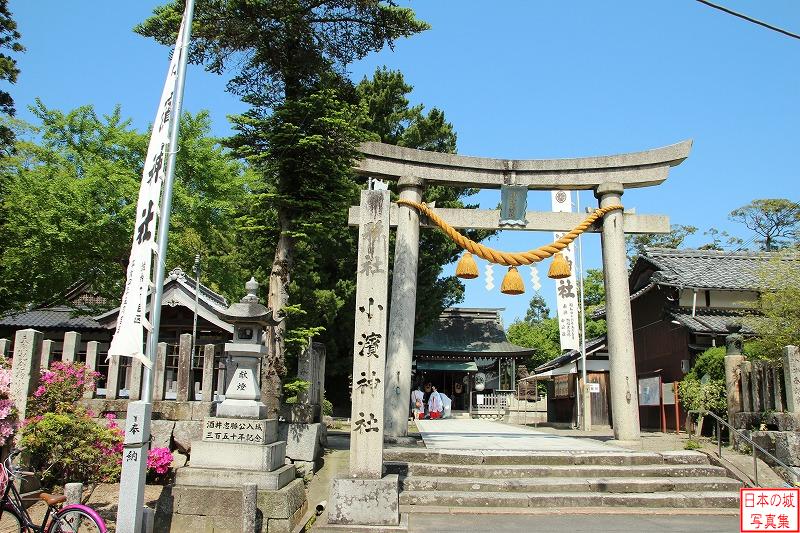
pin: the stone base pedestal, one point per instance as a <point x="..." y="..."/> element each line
<point x="227" y="478"/>
<point x="241" y="409"/>
<point x="189" y="508"/>
<point x="260" y="458"/>
<point x="373" y="502"/>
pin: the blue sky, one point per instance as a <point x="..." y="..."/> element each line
<point x="518" y="79"/>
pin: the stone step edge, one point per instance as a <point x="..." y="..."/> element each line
<point x="582" y="499"/>
<point x="489" y="468"/>
<point x="500" y="483"/>
<point x="547" y="458"/>
<point x="443" y="509"/>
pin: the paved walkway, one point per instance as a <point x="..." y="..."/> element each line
<point x="467" y="434"/>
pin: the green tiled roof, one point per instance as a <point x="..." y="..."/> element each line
<point x="469" y="332"/>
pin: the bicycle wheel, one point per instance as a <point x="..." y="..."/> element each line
<point x="10" y="522"/>
<point x="73" y="520"/>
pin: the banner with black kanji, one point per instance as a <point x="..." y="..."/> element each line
<point x="128" y="338"/>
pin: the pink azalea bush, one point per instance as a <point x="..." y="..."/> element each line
<point x="8" y="411"/>
<point x="159" y="461"/>
<point x="63" y="439"/>
<point x="62" y="386"/>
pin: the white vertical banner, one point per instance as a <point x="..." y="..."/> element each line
<point x="566" y="289"/>
<point x="128" y="338"/>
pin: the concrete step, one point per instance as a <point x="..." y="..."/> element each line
<point x="485" y="472"/>
<point x="706" y="500"/>
<point x="571" y="484"/>
<point x="415" y="455"/>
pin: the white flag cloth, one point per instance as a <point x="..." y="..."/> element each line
<point x="566" y="289"/>
<point x="128" y="338"/>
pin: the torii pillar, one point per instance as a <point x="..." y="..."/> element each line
<point x="622" y="360"/>
<point x="402" y="311"/>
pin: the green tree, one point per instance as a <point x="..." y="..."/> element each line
<point x="594" y="289"/>
<point x="775" y="220"/>
<point x="637" y="244"/>
<point x="717" y="242"/>
<point x="542" y="336"/>
<point x="73" y="181"/>
<point x="777" y="323"/>
<point x="287" y="58"/>
<point x="541" y="332"/>
<point x="537" y="310"/>
<point x="9" y="40"/>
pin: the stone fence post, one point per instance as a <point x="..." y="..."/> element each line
<point x="160" y="372"/>
<point x="25" y="367"/>
<point x="5" y="346"/>
<point x="791" y="376"/>
<point x="91" y="364"/>
<point x="47" y="354"/>
<point x="112" y="380"/>
<point x="135" y="386"/>
<point x="73" y="492"/>
<point x="207" y="386"/>
<point x="69" y="351"/>
<point x="184" y="367"/>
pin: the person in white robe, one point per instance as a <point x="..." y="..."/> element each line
<point x="418" y="404"/>
<point x="435" y="404"/>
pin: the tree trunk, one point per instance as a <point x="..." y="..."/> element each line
<point x="274" y="367"/>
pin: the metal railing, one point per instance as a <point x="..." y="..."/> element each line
<point x="739" y="434"/>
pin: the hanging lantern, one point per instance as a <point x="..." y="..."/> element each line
<point x="559" y="268"/>
<point x="512" y="282"/>
<point x="466" y="267"/>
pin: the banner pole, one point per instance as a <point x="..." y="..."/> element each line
<point x="139" y="413"/>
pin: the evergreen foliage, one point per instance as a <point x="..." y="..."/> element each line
<point x="9" y="40"/>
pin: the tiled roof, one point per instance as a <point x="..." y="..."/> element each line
<point x="715" y="269"/>
<point x="708" y="320"/>
<point x="571" y="356"/>
<point x="600" y="311"/>
<point x="50" y="318"/>
<point x="468" y="331"/>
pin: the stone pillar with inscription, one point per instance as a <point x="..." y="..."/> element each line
<point x="240" y="444"/>
<point x="367" y="497"/>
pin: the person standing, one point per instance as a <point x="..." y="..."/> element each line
<point x="418" y="403"/>
<point x="435" y="405"/>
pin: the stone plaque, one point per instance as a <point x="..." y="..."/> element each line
<point x="238" y="430"/>
<point x="369" y="350"/>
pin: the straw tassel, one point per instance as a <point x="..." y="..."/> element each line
<point x="467" y="268"/>
<point x="559" y="268"/>
<point x="512" y="282"/>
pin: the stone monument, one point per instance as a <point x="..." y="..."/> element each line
<point x="239" y="447"/>
<point x="367" y="496"/>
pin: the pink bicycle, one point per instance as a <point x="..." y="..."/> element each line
<point x="58" y="519"/>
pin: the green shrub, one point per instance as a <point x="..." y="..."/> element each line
<point x="327" y="407"/>
<point x="698" y="396"/>
<point x="72" y="447"/>
<point x="691" y="444"/>
<point x="293" y="387"/>
<point x="711" y="362"/>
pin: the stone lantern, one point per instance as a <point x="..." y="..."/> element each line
<point x="249" y="318"/>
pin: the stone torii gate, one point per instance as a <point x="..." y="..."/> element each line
<point x="607" y="176"/>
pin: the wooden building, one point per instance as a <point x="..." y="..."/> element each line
<point x="467" y="346"/>
<point x="72" y="311"/>
<point x="563" y="377"/>
<point x="682" y="302"/>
